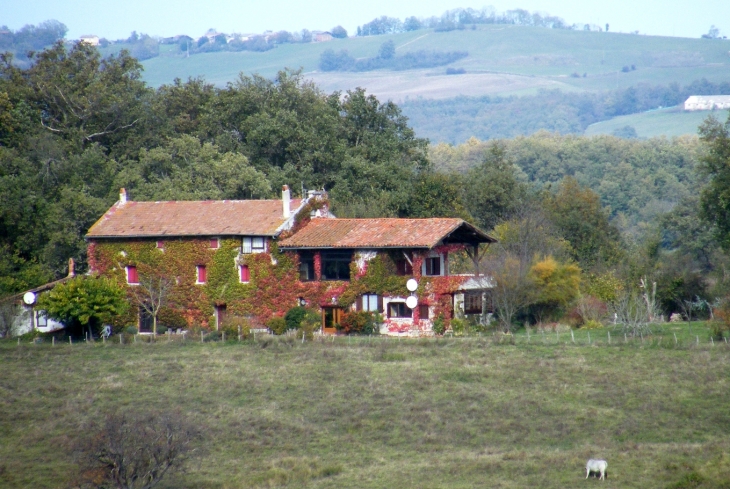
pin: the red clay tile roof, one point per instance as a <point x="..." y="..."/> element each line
<point x="384" y="233"/>
<point x="191" y="218"/>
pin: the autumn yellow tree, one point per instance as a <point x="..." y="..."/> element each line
<point x="555" y="285"/>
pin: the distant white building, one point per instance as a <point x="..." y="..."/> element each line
<point x="90" y="40"/>
<point x="707" y="102"/>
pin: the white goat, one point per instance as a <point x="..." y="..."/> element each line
<point x="599" y="466"/>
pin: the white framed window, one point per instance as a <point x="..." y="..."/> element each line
<point x="432" y="266"/>
<point x="132" y="277"/>
<point x="370" y="303"/>
<point x="253" y="244"/>
<point x="201" y="274"/>
<point x="244" y="274"/>
<point x="399" y="310"/>
<point x="215" y="243"/>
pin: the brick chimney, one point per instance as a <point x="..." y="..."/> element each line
<point x="122" y="196"/>
<point x="286" y="201"/>
<point x="71" y="271"/>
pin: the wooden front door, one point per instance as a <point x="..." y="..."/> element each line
<point x="331" y="316"/>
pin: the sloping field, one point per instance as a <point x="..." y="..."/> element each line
<point x="665" y="122"/>
<point x="553" y="55"/>
<point x="379" y="413"/>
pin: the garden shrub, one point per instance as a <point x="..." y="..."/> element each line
<point x="294" y="317"/>
<point x="233" y="326"/>
<point x="310" y="322"/>
<point x="277" y="325"/>
<point x="357" y="322"/>
<point x="592" y="324"/>
<point x="439" y="325"/>
<point x="212" y="336"/>
<point x="458" y="326"/>
<point x="132" y="330"/>
<point x="161" y="329"/>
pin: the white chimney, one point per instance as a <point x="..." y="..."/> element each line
<point x="286" y="201"/>
<point x="122" y="196"/>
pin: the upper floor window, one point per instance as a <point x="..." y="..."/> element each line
<point x="403" y="267"/>
<point x="432" y="266"/>
<point x="215" y="243"/>
<point x="160" y="244"/>
<point x="306" y="267"/>
<point x="132" y="277"/>
<point x="201" y="274"/>
<point x="253" y="244"/>
<point x="336" y="265"/>
<point x="244" y="274"/>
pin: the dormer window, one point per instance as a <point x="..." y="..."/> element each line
<point x="253" y="244"/>
<point x="132" y="277"/>
<point x="201" y="274"/>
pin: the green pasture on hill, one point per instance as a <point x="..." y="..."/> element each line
<point x="664" y="122"/>
<point x="482" y="411"/>
<point x="528" y="51"/>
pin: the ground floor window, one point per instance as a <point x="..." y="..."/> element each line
<point x="399" y="310"/>
<point x="370" y="302"/>
<point x="473" y="303"/>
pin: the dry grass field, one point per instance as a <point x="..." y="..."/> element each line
<point x="485" y="411"/>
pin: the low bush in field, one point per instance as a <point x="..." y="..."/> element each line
<point x="277" y="325"/>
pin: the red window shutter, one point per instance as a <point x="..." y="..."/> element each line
<point x="214" y="243"/>
<point x="202" y="274"/>
<point x="160" y="244"/>
<point x="245" y="273"/>
<point x="132" y="277"/>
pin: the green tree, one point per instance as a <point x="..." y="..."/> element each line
<point x="715" y="198"/>
<point x="556" y="285"/>
<point x="339" y="32"/>
<point x="579" y="216"/>
<point x="491" y="189"/>
<point x="387" y="50"/>
<point x="86" y="302"/>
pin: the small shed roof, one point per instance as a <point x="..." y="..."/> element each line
<point x="385" y="233"/>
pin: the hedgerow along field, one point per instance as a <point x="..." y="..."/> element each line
<point x="370" y="412"/>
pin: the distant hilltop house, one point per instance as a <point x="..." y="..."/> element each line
<point x="707" y="102"/>
<point x="90" y="40"/>
<point x="322" y="36"/>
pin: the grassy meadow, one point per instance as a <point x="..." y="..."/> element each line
<point x="668" y="122"/>
<point x="543" y="56"/>
<point x="481" y="411"/>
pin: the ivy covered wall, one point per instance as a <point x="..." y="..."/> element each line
<point x="273" y="287"/>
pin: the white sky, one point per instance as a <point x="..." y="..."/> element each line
<point x="116" y="20"/>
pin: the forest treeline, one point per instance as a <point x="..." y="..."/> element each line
<point x="76" y="127"/>
<point x="462" y="18"/>
<point x="330" y="60"/>
<point x="457" y="119"/>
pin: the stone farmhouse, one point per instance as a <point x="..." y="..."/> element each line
<point x="259" y="258"/>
